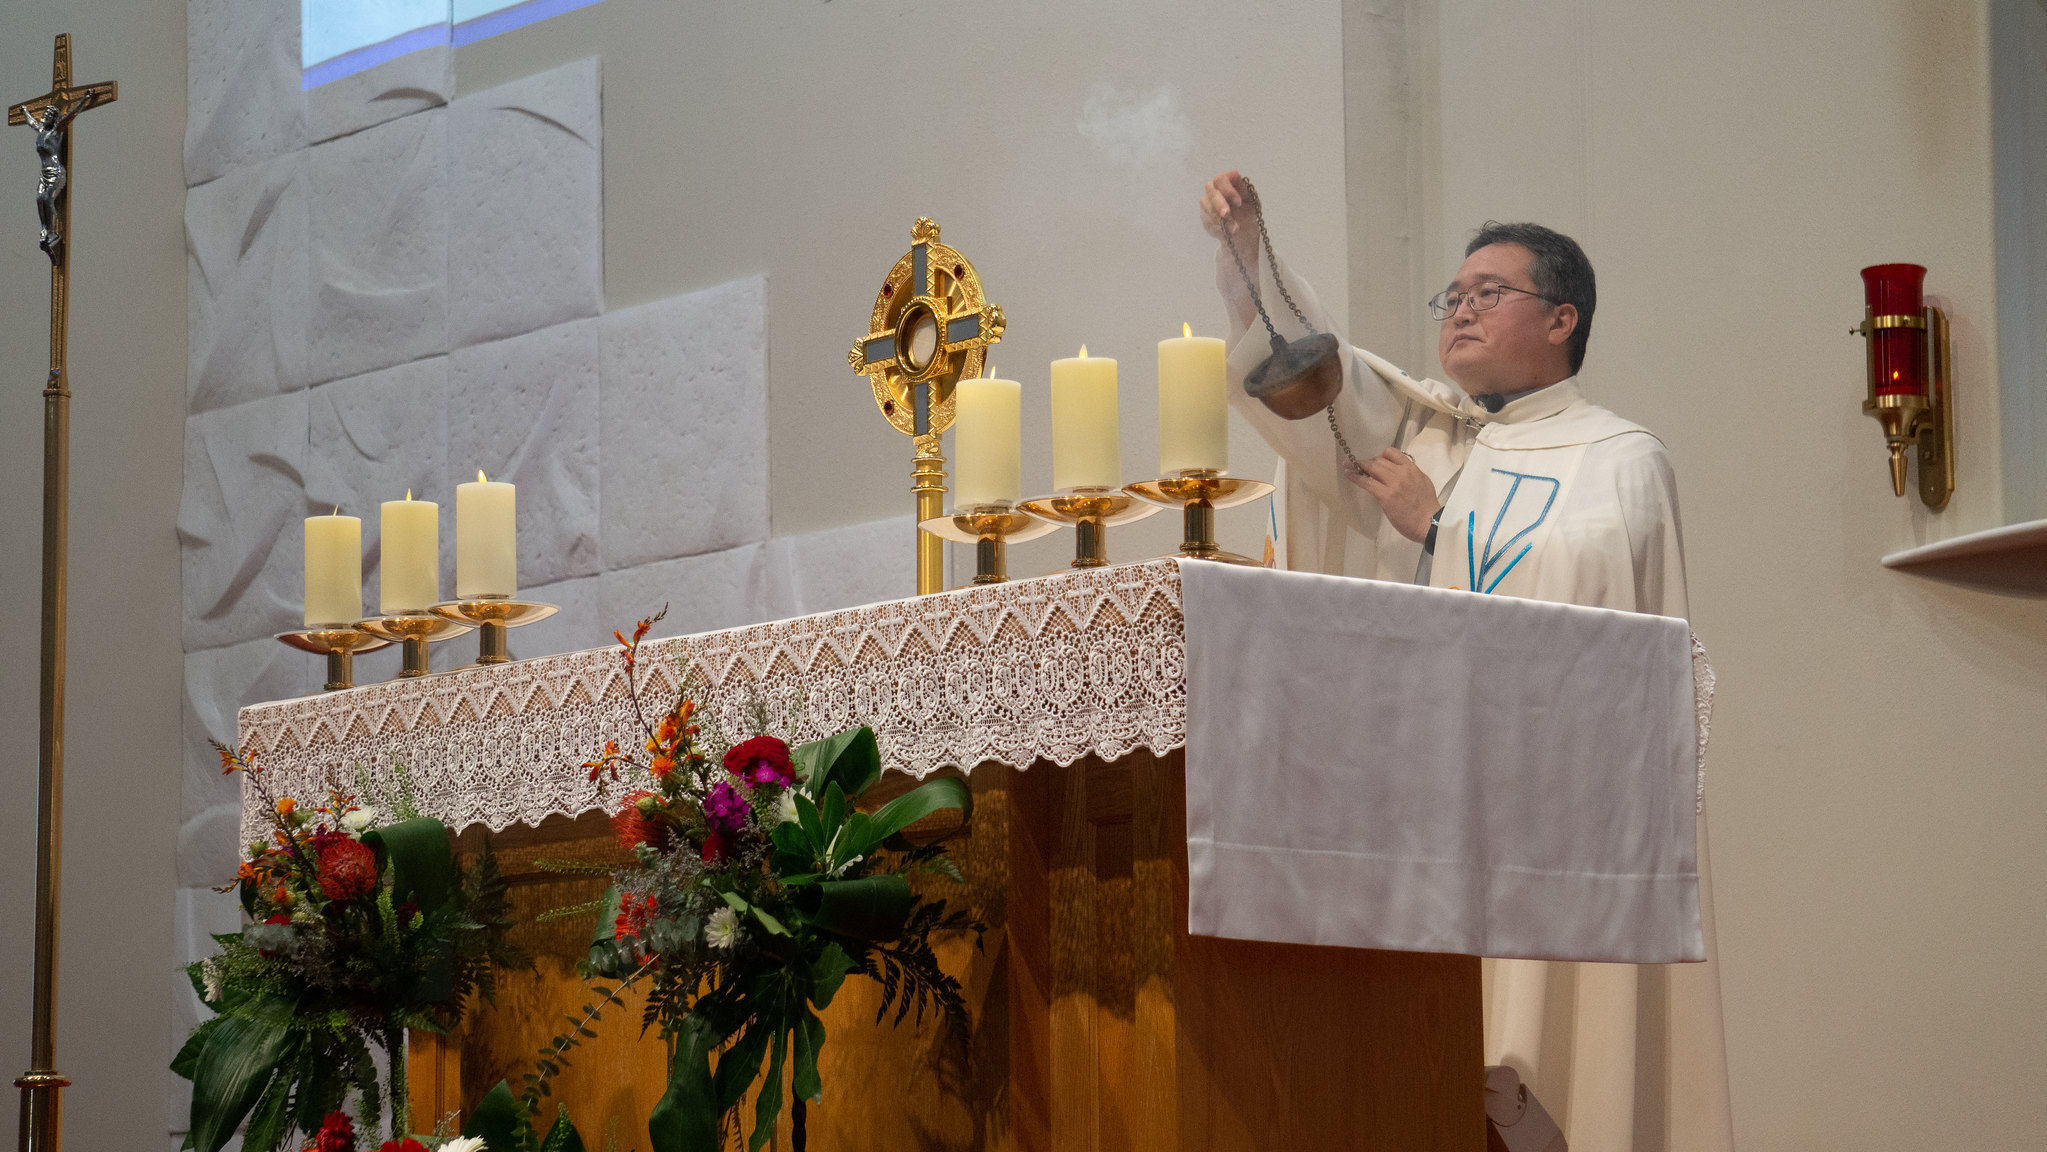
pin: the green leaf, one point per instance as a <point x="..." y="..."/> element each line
<point x="500" y="1120"/>
<point x="268" y="1122"/>
<point x="815" y="836"/>
<point x="229" y="1076"/>
<point x="416" y="854"/>
<point x="901" y="812"/>
<point x="850" y="759"/>
<point x="827" y="972"/>
<point x="869" y="908"/>
<point x="740" y="906"/>
<point x="562" y="1137"/>
<point x="768" y="1104"/>
<point x="809" y="1036"/>
<point x="740" y="1065"/>
<point x="833" y="813"/>
<point x="187" y="1059"/>
<point x="686" y="1117"/>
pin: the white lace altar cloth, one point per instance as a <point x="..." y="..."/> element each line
<point x="1054" y="668"/>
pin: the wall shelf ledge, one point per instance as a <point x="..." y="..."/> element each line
<point x="2011" y="559"/>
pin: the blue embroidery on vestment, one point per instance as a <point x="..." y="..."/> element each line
<point x="1480" y="565"/>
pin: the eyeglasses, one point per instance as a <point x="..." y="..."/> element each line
<point x="1443" y="305"/>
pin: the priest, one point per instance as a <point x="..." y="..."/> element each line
<point x="1506" y="482"/>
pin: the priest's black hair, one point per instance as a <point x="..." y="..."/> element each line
<point x="1560" y="271"/>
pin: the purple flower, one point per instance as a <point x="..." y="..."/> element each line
<point x="726" y="809"/>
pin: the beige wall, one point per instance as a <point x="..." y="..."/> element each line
<point x="802" y="139"/>
<point x="1875" y="785"/>
<point x="128" y="373"/>
<point x="1875" y="776"/>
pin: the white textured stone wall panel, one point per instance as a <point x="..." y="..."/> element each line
<point x="703" y="593"/>
<point x="684" y="425"/>
<point x="525" y="410"/>
<point x="525" y="211"/>
<point x="246" y="249"/>
<point x="374" y="437"/>
<point x="238" y="521"/>
<point x="218" y="683"/>
<point x="836" y="568"/>
<point x="398" y="87"/>
<point x="242" y="97"/>
<point x="579" y="625"/>
<point x="379" y="226"/>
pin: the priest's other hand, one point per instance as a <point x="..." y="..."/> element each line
<point x="1402" y="489"/>
<point x="1223" y="201"/>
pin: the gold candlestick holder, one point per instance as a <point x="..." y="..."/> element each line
<point x="989" y="528"/>
<point x="338" y="643"/>
<point x="493" y="614"/>
<point x="1199" y="492"/>
<point x="415" y="630"/>
<point x="1091" y="511"/>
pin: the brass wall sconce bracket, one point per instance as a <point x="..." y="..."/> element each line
<point x="1924" y="424"/>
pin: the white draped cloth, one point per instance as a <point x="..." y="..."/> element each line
<point x="1433" y="771"/>
<point x="1551" y="498"/>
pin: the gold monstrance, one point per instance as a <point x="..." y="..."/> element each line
<point x="51" y="115"/>
<point x="931" y="326"/>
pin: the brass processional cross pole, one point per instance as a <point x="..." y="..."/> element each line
<point x="51" y="115"/>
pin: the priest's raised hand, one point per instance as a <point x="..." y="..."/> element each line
<point x="1404" y="492"/>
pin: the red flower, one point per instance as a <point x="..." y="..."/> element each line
<point x="635" y="826"/>
<point x="337" y="1134"/>
<point x="715" y="848"/>
<point x="761" y="760"/>
<point x="634" y="914"/>
<point x="346" y="868"/>
<point x="406" y="1145"/>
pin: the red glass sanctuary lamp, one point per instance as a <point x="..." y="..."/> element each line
<point x="1907" y="375"/>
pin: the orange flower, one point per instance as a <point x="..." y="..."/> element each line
<point x="661" y="766"/>
<point x="347" y="868"/>
<point x="287" y="806"/>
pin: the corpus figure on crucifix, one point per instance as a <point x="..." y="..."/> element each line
<point x="50" y="124"/>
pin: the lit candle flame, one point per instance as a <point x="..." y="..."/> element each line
<point x="336" y="512"/>
<point x="1083" y="351"/>
<point x="408" y="493"/>
<point x="1186" y="329"/>
<point x="479" y="476"/>
<point x="1894" y="373"/>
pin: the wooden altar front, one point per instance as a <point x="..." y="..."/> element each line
<point x="1099" y="1023"/>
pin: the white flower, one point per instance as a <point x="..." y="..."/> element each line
<point x="209" y="974"/>
<point x="357" y="822"/>
<point x="785" y="806"/>
<point x="464" y="1144"/>
<point x="723" y="930"/>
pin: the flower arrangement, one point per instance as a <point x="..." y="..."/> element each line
<point x="358" y="930"/>
<point x="757" y="886"/>
<point x="337" y="1134"/>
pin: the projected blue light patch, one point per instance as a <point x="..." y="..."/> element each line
<point x="342" y="37"/>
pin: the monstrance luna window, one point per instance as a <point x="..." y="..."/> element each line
<point x="340" y="37"/>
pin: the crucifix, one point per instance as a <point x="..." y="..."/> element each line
<point x="931" y="325"/>
<point x="51" y="115"/>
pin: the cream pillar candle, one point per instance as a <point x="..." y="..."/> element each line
<point x="411" y="543"/>
<point x="1193" y="410"/>
<point x="486" y="539"/>
<point x="987" y="442"/>
<point x="333" y="570"/>
<point x="1086" y="449"/>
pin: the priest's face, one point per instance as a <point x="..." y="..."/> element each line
<point x="1521" y="342"/>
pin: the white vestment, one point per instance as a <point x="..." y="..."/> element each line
<point x="1551" y="498"/>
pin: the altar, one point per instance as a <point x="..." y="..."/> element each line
<point x="1151" y="747"/>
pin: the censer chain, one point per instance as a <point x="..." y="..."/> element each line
<point x="1272" y="260"/>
